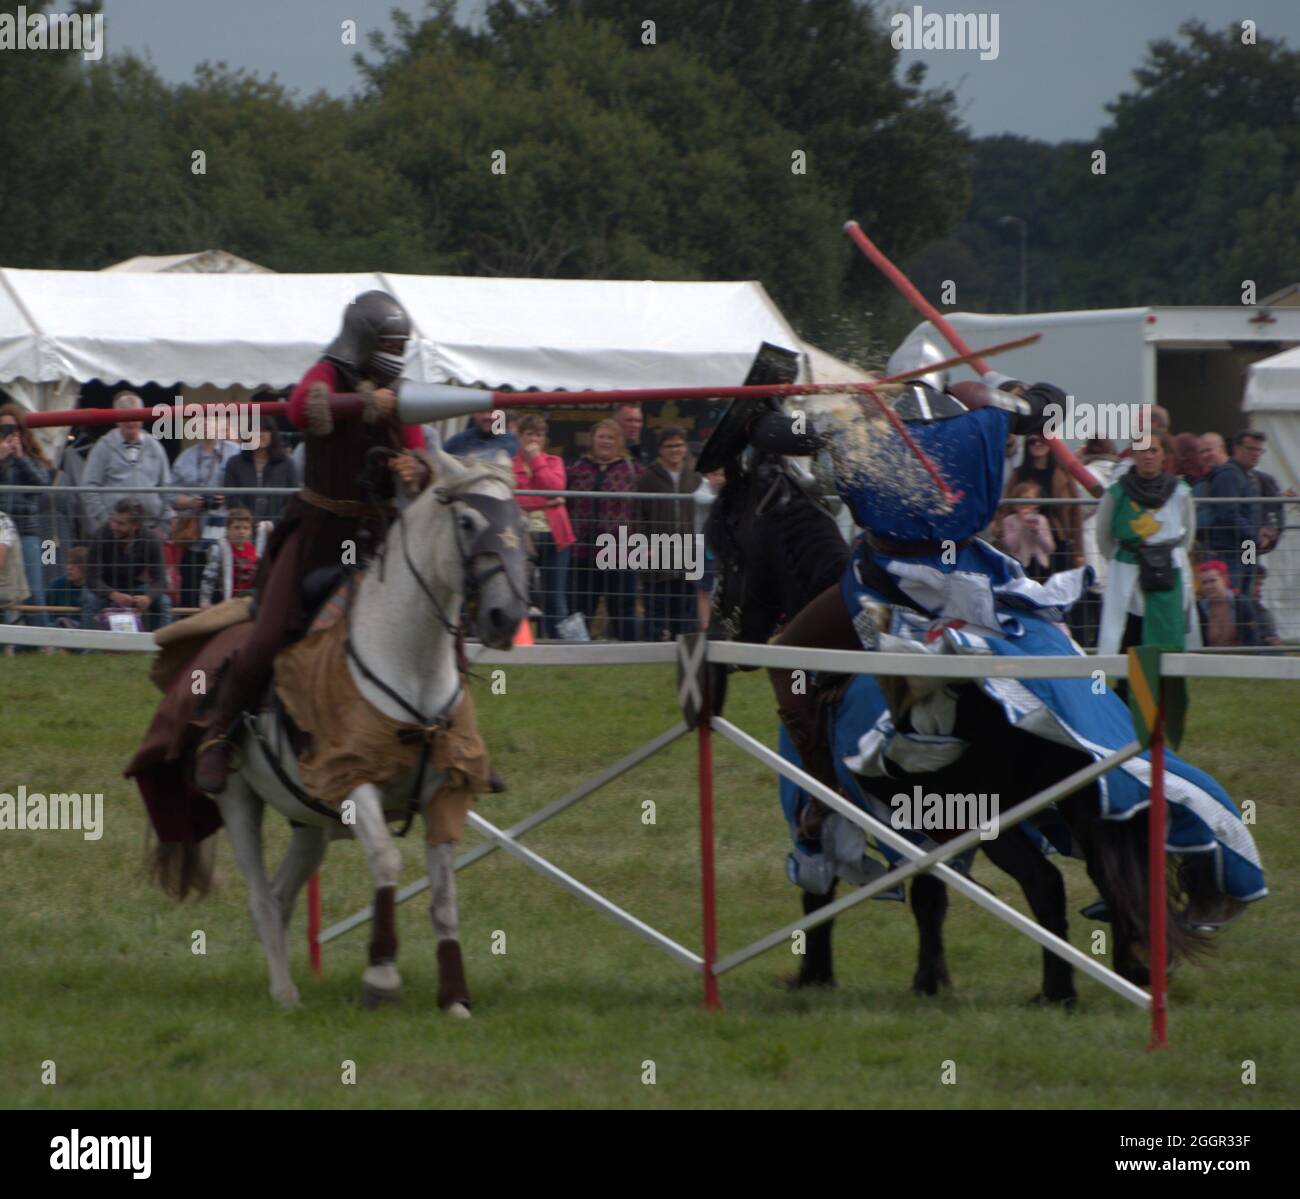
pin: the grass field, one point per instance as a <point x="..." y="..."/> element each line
<point x="96" y="971"/>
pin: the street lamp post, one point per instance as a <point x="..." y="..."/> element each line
<point x="1024" y="256"/>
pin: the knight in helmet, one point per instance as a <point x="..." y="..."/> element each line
<point x="343" y="506"/>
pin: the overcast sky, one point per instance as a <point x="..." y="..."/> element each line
<point x="1058" y="61"/>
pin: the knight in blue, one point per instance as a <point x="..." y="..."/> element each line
<point x="921" y="580"/>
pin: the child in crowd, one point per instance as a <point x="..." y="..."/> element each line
<point x="232" y="562"/>
<point x="66" y="590"/>
<point x="1026" y="535"/>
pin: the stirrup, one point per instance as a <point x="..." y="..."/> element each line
<point x="236" y="758"/>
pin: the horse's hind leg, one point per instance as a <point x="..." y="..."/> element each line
<point x="929" y="907"/>
<point x="241" y="812"/>
<point x="453" y="990"/>
<point x="816" y="969"/>
<point x="1044" y="889"/>
<point x="381" y="982"/>
<point x="302" y="859"/>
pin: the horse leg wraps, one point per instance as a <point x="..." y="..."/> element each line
<point x="383" y="938"/>
<point x="452" y="987"/>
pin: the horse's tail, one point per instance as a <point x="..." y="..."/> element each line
<point x="1121" y="852"/>
<point x="180" y="868"/>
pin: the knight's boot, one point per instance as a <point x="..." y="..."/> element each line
<point x="213" y="764"/>
<point x="809" y="737"/>
<point x="215" y="758"/>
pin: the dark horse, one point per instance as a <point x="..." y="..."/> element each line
<point x="777" y="548"/>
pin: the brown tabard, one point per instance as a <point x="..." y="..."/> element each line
<point x="353" y="743"/>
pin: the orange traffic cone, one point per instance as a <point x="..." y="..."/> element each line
<point x="524" y="633"/>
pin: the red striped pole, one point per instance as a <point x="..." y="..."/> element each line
<point x="1156" y="886"/>
<point x="313" y="920"/>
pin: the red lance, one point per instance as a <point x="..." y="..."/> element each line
<point x="419" y="402"/>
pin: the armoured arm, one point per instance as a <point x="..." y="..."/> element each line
<point x="1030" y="407"/>
<point x="776" y="433"/>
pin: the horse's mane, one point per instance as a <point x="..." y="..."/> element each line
<point x="772" y="563"/>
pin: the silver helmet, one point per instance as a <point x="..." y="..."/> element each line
<point x="372" y="321"/>
<point x="918" y="350"/>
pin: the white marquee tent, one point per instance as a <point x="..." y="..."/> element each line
<point x="59" y="328"/>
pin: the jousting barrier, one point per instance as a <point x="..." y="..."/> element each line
<point x="691" y="653"/>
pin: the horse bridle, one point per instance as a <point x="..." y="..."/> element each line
<point x="498" y="538"/>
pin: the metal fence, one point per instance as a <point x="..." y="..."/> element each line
<point x="620" y="566"/>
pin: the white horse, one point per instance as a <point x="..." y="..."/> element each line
<point x="459" y="544"/>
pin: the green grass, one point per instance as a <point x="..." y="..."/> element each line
<point x="96" y="971"/>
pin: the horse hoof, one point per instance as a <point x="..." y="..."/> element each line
<point x="373" y="997"/>
<point x="798" y="982"/>
<point x="930" y="983"/>
<point x="287" y="999"/>
<point x="1066" y="1003"/>
<point x="457" y="1011"/>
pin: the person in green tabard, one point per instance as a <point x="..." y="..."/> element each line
<point x="1145" y="528"/>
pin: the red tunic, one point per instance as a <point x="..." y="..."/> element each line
<point x="327" y="373"/>
<point x="308" y="536"/>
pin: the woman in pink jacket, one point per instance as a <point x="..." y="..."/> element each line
<point x="548" y="519"/>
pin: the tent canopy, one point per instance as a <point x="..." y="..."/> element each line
<point x="1272" y="400"/>
<point x="252" y="330"/>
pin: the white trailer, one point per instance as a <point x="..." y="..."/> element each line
<point x="1191" y="360"/>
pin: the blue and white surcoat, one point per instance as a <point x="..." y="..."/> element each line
<point x="965" y="579"/>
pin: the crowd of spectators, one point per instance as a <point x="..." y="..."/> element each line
<point x="127" y="557"/>
<point x="130" y="558"/>
<point x="579" y="590"/>
<point x="1150" y="536"/>
<point x="138" y="555"/>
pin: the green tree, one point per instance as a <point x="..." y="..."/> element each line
<point x="1210" y="132"/>
<point x="557" y="148"/>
